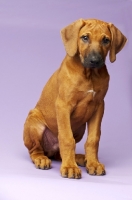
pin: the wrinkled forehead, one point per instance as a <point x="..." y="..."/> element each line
<point x="95" y="27"/>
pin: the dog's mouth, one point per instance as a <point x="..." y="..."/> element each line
<point x="93" y="61"/>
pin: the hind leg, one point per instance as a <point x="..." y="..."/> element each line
<point x="80" y="160"/>
<point x="33" y="132"/>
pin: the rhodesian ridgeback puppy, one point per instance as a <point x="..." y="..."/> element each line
<point x="73" y="98"/>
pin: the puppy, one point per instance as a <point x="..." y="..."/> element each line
<point x="73" y="98"/>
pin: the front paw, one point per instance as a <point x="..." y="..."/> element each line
<point x="71" y="171"/>
<point x="95" y="168"/>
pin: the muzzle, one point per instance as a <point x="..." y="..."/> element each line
<point x="93" y="60"/>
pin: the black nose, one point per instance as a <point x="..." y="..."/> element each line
<point x="94" y="60"/>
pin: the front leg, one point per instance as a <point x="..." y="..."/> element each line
<point x="93" y="166"/>
<point x="69" y="168"/>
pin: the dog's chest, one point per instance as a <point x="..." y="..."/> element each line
<point x="87" y="102"/>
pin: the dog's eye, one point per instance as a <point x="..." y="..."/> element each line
<point x="84" y="38"/>
<point x="105" y="40"/>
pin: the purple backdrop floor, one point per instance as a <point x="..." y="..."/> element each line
<point x="30" y="51"/>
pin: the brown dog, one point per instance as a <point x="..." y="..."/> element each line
<point x="74" y="97"/>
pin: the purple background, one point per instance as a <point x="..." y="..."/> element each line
<point x="30" y="51"/>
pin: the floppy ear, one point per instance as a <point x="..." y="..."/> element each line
<point x="117" y="43"/>
<point x="69" y="36"/>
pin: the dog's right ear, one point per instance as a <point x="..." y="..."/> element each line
<point x="69" y="36"/>
<point x="117" y="43"/>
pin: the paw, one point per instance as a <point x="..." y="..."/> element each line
<point x="95" y="168"/>
<point x="80" y="160"/>
<point x="42" y="162"/>
<point x="70" y="172"/>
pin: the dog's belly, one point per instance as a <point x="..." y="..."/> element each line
<point x="50" y="143"/>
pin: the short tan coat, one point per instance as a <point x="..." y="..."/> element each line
<point x="73" y="98"/>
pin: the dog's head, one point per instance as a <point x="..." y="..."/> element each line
<point x="92" y="39"/>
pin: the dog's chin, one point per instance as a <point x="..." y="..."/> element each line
<point x="92" y="66"/>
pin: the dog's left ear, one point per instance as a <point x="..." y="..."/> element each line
<point x="117" y="43"/>
<point x="69" y="36"/>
